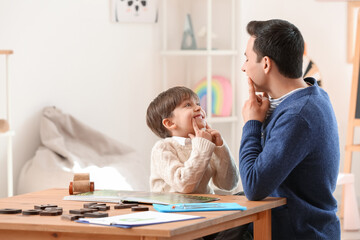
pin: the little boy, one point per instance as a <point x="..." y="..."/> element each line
<point x="190" y="153"/>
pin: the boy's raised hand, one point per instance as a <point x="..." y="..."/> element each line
<point x="199" y="132"/>
<point x="256" y="106"/>
<point x="216" y="136"/>
<point x="207" y="133"/>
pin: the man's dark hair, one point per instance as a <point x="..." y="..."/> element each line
<point x="163" y="106"/>
<point x="282" y="42"/>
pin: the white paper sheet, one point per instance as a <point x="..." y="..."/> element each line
<point x="138" y="219"/>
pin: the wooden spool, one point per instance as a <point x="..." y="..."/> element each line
<point x="81" y="184"/>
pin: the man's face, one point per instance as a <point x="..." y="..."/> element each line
<point x="253" y="69"/>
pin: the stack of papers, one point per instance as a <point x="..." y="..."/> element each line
<point x="138" y="219"/>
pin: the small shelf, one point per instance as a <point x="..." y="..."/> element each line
<point x="199" y="53"/>
<point x="215" y="57"/>
<point x="8" y="133"/>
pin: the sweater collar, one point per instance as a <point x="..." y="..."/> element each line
<point x="181" y="140"/>
<point x="312" y="89"/>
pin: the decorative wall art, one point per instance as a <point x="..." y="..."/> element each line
<point x="188" y="40"/>
<point x="221" y="93"/>
<point x="140" y="11"/>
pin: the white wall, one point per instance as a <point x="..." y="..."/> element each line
<point x="68" y="54"/>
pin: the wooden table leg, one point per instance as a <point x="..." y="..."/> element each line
<point x="262" y="227"/>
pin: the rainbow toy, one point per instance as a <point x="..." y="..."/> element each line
<point x="221" y="95"/>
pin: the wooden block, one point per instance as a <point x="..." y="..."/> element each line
<point x="100" y="207"/>
<point x="71" y="217"/>
<point x="42" y="207"/>
<point x="10" y="211"/>
<point x="89" y="209"/>
<point x="87" y="205"/>
<point x="96" y="215"/>
<point x="99" y="204"/>
<point x="125" y="205"/>
<point x="139" y="208"/>
<point x="50" y="213"/>
<point x="59" y="209"/>
<point x="31" y="212"/>
<point x="82" y="211"/>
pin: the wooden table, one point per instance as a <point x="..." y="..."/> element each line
<point x="18" y="226"/>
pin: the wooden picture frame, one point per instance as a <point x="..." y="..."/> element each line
<point x="352" y="12"/>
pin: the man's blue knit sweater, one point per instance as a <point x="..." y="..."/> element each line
<point x="295" y="154"/>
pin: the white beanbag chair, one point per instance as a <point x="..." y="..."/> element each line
<point x="69" y="147"/>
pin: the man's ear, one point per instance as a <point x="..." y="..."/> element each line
<point x="168" y="124"/>
<point x="267" y="64"/>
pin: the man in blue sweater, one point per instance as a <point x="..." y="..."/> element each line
<point x="290" y="144"/>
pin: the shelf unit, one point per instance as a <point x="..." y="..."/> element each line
<point x="208" y="53"/>
<point x="11" y="133"/>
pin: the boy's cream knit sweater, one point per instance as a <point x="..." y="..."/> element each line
<point x="188" y="168"/>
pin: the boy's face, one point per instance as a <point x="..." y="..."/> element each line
<point x="184" y="114"/>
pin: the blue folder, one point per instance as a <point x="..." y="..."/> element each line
<point x="198" y="207"/>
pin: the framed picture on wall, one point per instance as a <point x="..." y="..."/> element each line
<point x="140" y="11"/>
<point x="352" y="13"/>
